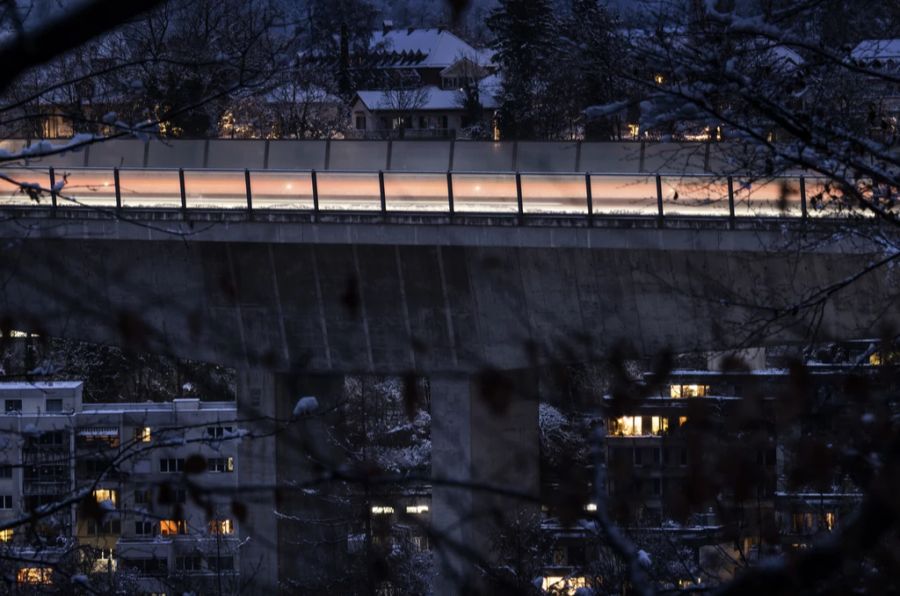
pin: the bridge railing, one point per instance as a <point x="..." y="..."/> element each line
<point x="514" y="193"/>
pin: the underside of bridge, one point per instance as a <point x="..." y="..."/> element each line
<point x="294" y="316"/>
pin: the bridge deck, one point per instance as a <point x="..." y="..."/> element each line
<point x="517" y="193"/>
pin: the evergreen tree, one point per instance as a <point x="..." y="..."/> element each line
<point x="525" y="32"/>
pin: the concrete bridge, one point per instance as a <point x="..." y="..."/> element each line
<point x="296" y="298"/>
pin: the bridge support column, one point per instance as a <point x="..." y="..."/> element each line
<point x="484" y="434"/>
<point x="256" y="467"/>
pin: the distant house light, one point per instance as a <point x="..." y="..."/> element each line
<point x="592" y="507"/>
<point x="382" y="510"/>
<point x="416" y="509"/>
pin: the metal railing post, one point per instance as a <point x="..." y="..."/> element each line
<point x="52" y="189"/>
<point x="315" y="191"/>
<point x="590" y="197"/>
<point x="731" y="202"/>
<point x="118" y="189"/>
<point x="450" y="192"/>
<point x="183" y="193"/>
<point x="519" y="195"/>
<point x="659" y="201"/>
<point x="381" y="191"/>
<point x="803" y="211"/>
<point x="249" y="191"/>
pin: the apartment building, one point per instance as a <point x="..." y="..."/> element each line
<point x="133" y="496"/>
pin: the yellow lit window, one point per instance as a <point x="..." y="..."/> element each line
<point x="590" y="507"/>
<point x="659" y="79"/>
<point x="6" y="535"/>
<point x="562" y="585"/>
<point x="659" y="424"/>
<point x="875" y="359"/>
<point x="382" y="510"/>
<point x="221" y="526"/>
<point x="169" y="527"/>
<point x="682" y="391"/>
<point x="143" y="435"/>
<point x="634" y="130"/>
<point x="34" y="575"/>
<point x="682" y="420"/>
<point x="106" y="494"/>
<point x="626" y="426"/>
<point x="829" y="520"/>
<point x="416" y="509"/>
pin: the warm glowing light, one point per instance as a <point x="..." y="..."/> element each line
<point x="659" y="424"/>
<point x="6" y="535"/>
<point x="168" y="527"/>
<point x="288" y="186"/>
<point x="829" y="520"/>
<point x="634" y="130"/>
<point x="106" y="183"/>
<point x="144" y="434"/>
<point x="682" y="420"/>
<point x="382" y="510"/>
<point x="106" y="494"/>
<point x="659" y="79"/>
<point x="682" y="391"/>
<point x="563" y="585"/>
<point x="875" y="359"/>
<point x="34" y="575"/>
<point x="477" y="188"/>
<point x="221" y="526"/>
<point x="590" y="507"/>
<point x="416" y="509"/>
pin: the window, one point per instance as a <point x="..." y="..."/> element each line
<point x="170" y="527"/>
<point x="220" y="464"/>
<point x="221" y="526"/>
<point x="5" y="501"/>
<point x="638" y="459"/>
<point x="6" y="535"/>
<point x="683" y="391"/>
<point x="54" y="405"/>
<point x="625" y="426"/>
<point x="171" y="464"/>
<point x="109" y="527"/>
<point x="221" y="563"/>
<point x="187" y="564"/>
<point x="142" y="434"/>
<point x="828" y="520"/>
<point x="143" y="496"/>
<point x="147" y="566"/>
<point x="417" y="509"/>
<point x="382" y="510"/>
<point x="360" y="121"/>
<point x="659" y="424"/>
<point x="14" y="405"/>
<point x="144" y="528"/>
<point x="106" y="494"/>
<point x="34" y="575"/>
<point x="6" y="471"/>
<point x="217" y="432"/>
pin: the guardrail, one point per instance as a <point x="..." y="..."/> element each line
<point x="514" y="193"/>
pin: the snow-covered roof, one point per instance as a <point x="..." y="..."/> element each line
<point x="440" y="47"/>
<point x="877" y="49"/>
<point x="39" y="385"/>
<point x="431" y="98"/>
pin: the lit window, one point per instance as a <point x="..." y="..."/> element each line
<point x="682" y="391"/>
<point x="634" y="130"/>
<point x="591" y="507"/>
<point x="828" y="520"/>
<point x="6" y="535"/>
<point x="143" y="435"/>
<point x="169" y="527"/>
<point x="563" y="585"/>
<point x="626" y="426"/>
<point x="659" y="424"/>
<point x="34" y="575"/>
<point x="682" y="420"/>
<point x="382" y="510"/>
<point x="659" y="79"/>
<point x="416" y="509"/>
<point x="106" y="494"/>
<point x="221" y="526"/>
